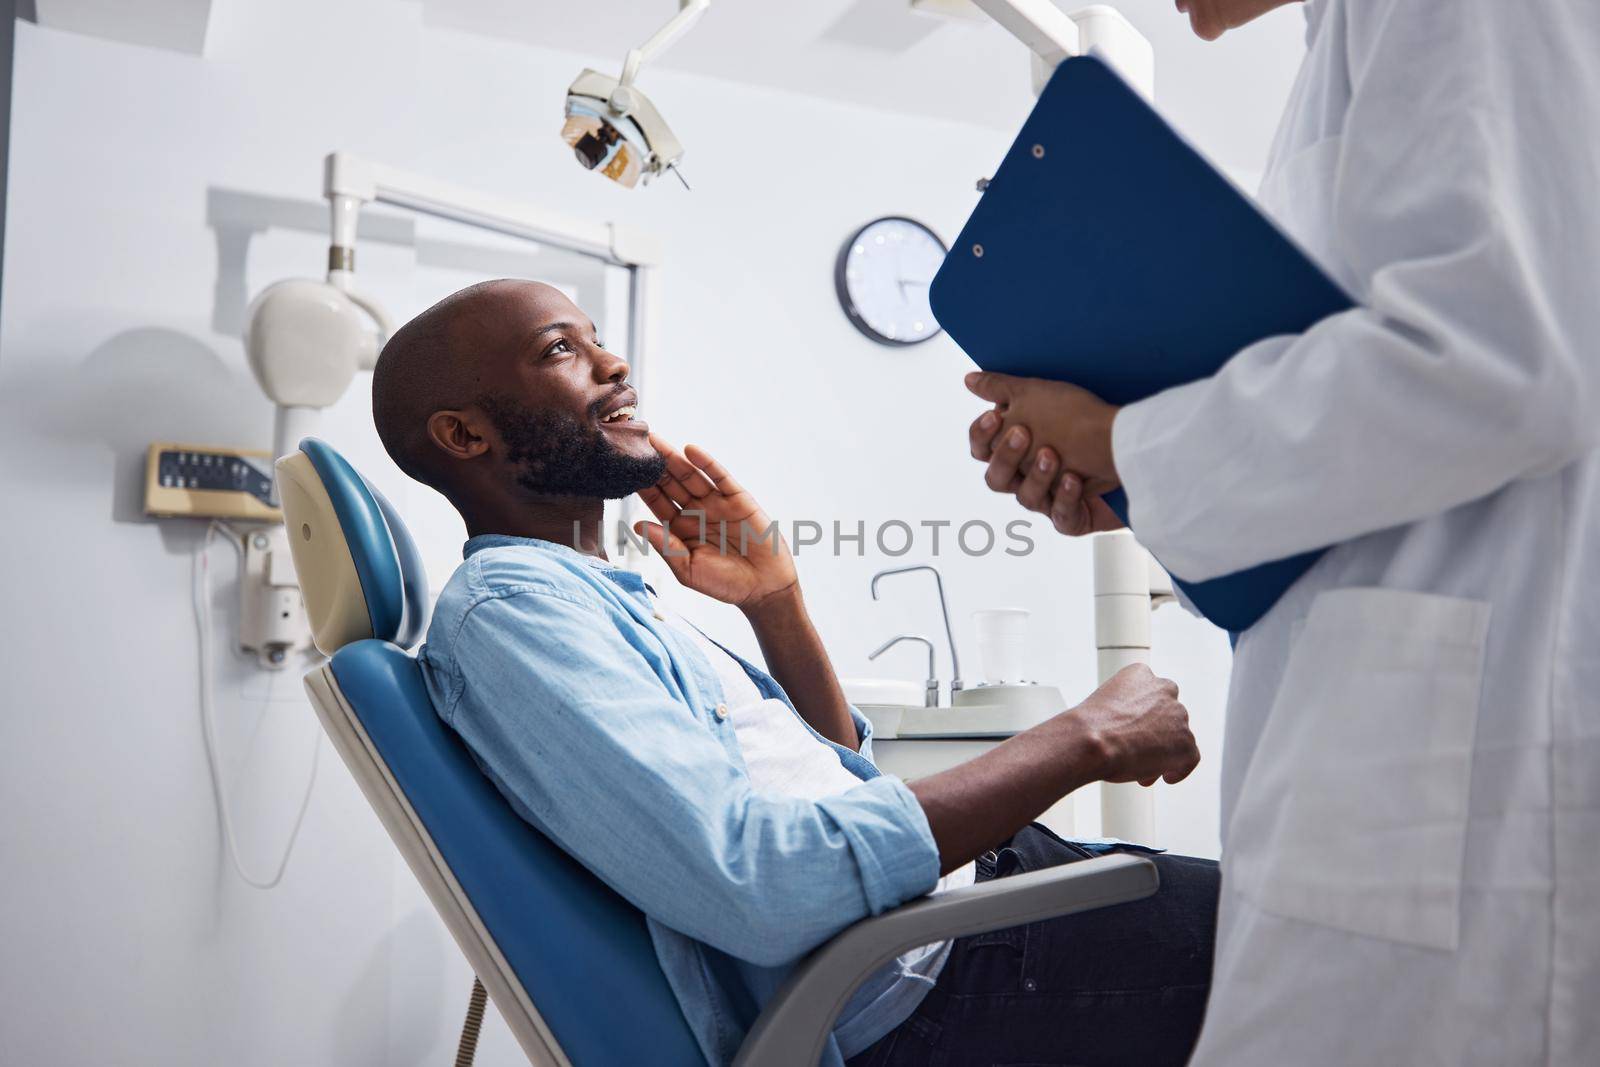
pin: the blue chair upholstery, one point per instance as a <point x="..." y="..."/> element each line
<point x="582" y="953"/>
<point x="394" y="584"/>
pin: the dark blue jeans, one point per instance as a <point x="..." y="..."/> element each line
<point x="1121" y="985"/>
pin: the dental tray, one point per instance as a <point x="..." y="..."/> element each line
<point x="1107" y="253"/>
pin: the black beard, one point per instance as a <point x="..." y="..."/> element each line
<point x="561" y="455"/>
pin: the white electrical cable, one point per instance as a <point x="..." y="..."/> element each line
<point x="200" y="588"/>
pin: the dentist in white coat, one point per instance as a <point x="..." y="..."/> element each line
<point x="1411" y="772"/>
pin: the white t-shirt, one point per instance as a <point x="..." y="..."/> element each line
<point x="783" y="756"/>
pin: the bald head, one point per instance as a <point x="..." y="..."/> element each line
<point x="503" y="389"/>
<point x="446" y="359"/>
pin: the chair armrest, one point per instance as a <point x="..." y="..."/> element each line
<point x="795" y="1024"/>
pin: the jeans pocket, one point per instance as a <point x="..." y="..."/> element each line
<point x="1009" y="861"/>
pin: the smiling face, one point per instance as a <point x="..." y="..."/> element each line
<point x="502" y="395"/>
<point x="559" y="401"/>
<point x="543" y="353"/>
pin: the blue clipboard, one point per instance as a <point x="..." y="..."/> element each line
<point x="1107" y="253"/>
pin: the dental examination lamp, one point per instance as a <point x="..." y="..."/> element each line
<point x="613" y="128"/>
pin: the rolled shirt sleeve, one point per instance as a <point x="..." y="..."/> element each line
<point x="863" y="733"/>
<point x="588" y="736"/>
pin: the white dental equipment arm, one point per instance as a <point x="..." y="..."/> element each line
<point x="1053" y="36"/>
<point x="689" y="12"/>
<point x="1128" y="583"/>
<point x="344" y="211"/>
<point x="1047" y="30"/>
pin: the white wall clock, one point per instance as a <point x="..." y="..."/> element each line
<point x="882" y="277"/>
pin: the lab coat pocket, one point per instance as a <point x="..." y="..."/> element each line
<point x="1353" y="814"/>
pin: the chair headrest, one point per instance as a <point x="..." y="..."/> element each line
<point x="360" y="572"/>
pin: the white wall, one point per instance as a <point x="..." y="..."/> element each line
<point x="150" y="192"/>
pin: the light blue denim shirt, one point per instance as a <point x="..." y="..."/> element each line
<point x="599" y="725"/>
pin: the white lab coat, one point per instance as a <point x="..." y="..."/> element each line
<point x="1411" y="771"/>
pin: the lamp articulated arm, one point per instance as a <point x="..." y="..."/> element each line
<point x="689" y="12"/>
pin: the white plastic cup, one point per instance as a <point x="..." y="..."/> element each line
<point x="1002" y="643"/>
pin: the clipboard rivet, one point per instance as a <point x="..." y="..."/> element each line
<point x="1038" y="151"/>
<point x="977" y="250"/>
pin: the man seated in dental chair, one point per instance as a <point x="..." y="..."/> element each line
<point x="738" y="807"/>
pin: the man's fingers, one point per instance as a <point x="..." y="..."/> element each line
<point x="668" y="546"/>
<point x="660" y="505"/>
<point x="981" y="434"/>
<point x="725" y="483"/>
<point x="673" y="489"/>
<point x="1003" y="475"/>
<point x="668" y="483"/>
<point x="1034" y="493"/>
<point x="689" y="476"/>
<point x="1190" y="758"/>
<point x="1173" y="777"/>
<point x="663" y="447"/>
<point x="995" y="388"/>
<point x="691" y="524"/>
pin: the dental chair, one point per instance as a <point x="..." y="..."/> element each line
<point x="568" y="962"/>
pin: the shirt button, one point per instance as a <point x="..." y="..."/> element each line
<point x="660" y="617"/>
<point x="1030" y="985"/>
<point x="722" y="712"/>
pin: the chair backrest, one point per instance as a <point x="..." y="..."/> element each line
<point x="360" y="572"/>
<point x="566" y="959"/>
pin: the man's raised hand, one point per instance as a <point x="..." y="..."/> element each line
<point x="712" y="533"/>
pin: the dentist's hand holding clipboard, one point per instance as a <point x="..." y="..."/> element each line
<point x="1049" y="444"/>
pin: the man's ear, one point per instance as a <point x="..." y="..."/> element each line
<point x="459" y="434"/>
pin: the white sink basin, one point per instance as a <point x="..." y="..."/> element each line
<point x="862" y="691"/>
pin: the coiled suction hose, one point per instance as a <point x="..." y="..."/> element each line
<point x="473" y="1025"/>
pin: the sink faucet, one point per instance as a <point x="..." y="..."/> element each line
<point x="949" y="635"/>
<point x="930" y="697"/>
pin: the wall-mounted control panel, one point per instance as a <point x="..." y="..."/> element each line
<point x="206" y="481"/>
